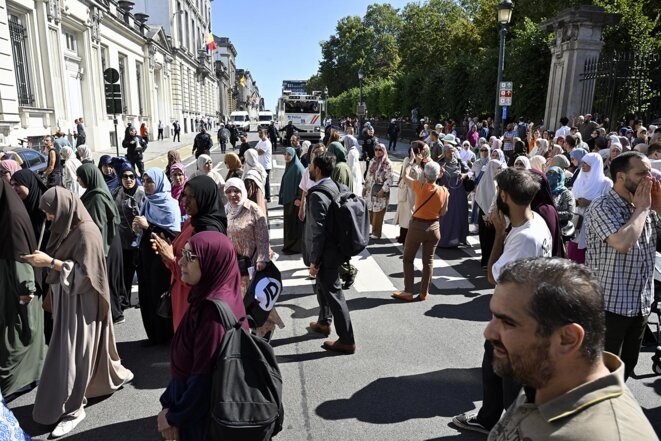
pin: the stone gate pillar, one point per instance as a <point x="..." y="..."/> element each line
<point x="578" y="33"/>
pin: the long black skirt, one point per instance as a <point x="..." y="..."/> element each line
<point x="153" y="281"/>
<point x="115" y="262"/>
<point x="293" y="229"/>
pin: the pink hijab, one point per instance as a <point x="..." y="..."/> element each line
<point x="176" y="190"/>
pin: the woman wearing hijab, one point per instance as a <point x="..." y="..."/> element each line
<point x="178" y="180"/>
<point x="103" y="211"/>
<point x="289" y="198"/>
<point x="205" y="168"/>
<point x="405" y="196"/>
<point x="22" y="348"/>
<point x="202" y="204"/>
<point x="82" y="348"/>
<point x="377" y="188"/>
<point x="306" y="181"/>
<point x="590" y="184"/>
<point x="353" y="162"/>
<point x="30" y="188"/>
<point x="173" y="158"/>
<point x="498" y="155"/>
<point x="562" y="197"/>
<point x="538" y="162"/>
<point x="521" y="163"/>
<point x="485" y="197"/>
<point x="248" y="232"/>
<point x="542" y="203"/>
<point x="84" y="154"/>
<point x="341" y="172"/>
<point x="69" y="177"/>
<point x="454" y="225"/>
<point x="209" y="265"/>
<point x="129" y="200"/>
<point x="160" y="215"/>
<point x="234" y="166"/>
<point x="254" y="176"/>
<point x="541" y="148"/>
<point x="112" y="181"/>
<point x="576" y="157"/>
<point x="7" y="168"/>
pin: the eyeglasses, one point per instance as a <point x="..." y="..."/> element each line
<point x="187" y="256"/>
<point x="131" y="177"/>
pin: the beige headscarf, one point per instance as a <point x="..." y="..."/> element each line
<point x="75" y="236"/>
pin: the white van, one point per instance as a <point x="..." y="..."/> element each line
<point x="265" y="118"/>
<point x="241" y="120"/>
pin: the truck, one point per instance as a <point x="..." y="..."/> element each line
<point x="304" y="111"/>
<point x="241" y="120"/>
<point x="265" y="119"/>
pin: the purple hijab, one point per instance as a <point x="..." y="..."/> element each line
<point x="543" y="204"/>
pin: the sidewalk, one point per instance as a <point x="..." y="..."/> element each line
<point x="156" y="153"/>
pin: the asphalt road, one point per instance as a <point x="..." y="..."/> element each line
<point x="416" y="364"/>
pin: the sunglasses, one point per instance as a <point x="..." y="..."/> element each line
<point x="484" y="150"/>
<point x="187" y="256"/>
<point x="131" y="177"/>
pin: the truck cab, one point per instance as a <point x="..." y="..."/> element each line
<point x="265" y="119"/>
<point x="241" y="120"/>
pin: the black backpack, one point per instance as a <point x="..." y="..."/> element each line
<point x="246" y="385"/>
<point x="348" y="223"/>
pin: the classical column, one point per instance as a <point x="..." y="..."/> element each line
<point x="578" y="32"/>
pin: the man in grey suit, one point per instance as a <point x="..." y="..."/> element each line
<point x="323" y="258"/>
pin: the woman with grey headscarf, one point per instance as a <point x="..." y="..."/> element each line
<point x="84" y="153"/>
<point x="454" y="225"/>
<point x="71" y="164"/>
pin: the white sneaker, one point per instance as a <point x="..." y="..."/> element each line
<point x="67" y="425"/>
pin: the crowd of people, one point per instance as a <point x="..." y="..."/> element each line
<point x="567" y="233"/>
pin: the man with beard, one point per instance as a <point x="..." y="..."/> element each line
<point x="622" y="229"/>
<point x="528" y="236"/>
<point x="547" y="331"/>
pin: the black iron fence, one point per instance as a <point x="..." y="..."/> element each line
<point x="622" y="85"/>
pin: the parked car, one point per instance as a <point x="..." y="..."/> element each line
<point x="29" y="158"/>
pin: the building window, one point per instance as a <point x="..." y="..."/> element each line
<point x="138" y="76"/>
<point x="123" y="81"/>
<point x="104" y="58"/>
<point x="18" y="36"/>
<point x="70" y="42"/>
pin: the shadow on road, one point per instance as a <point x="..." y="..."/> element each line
<point x="446" y="393"/>
<point x="149" y="364"/>
<point x="142" y="429"/>
<point x="476" y="310"/>
<point x="654" y="416"/>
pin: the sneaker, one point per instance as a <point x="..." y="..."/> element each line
<point x="468" y="421"/>
<point x="67" y="425"/>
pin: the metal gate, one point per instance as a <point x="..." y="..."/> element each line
<point x="622" y="85"/>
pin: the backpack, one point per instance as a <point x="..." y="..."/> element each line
<point x="348" y="223"/>
<point x="246" y="385"/>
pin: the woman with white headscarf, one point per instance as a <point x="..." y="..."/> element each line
<point x="590" y="184"/>
<point x="522" y="163"/>
<point x="485" y="198"/>
<point x="84" y="153"/>
<point x="205" y="168"/>
<point x="254" y="177"/>
<point x="69" y="177"/>
<point x="541" y="148"/>
<point x="538" y="162"/>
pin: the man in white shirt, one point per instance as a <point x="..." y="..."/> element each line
<point x="564" y="130"/>
<point x="528" y="237"/>
<point x="265" y="151"/>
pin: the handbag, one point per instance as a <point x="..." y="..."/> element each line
<point x="376" y="188"/>
<point x="469" y="185"/>
<point x="164" y="308"/>
<point x="244" y="263"/>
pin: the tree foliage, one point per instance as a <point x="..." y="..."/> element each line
<point x="441" y="56"/>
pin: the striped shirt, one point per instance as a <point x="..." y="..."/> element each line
<point x="627" y="279"/>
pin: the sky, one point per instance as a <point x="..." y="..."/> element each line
<point x="279" y="40"/>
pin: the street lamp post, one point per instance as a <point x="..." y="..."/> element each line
<point x="360" y="96"/>
<point x="504" y="16"/>
<point x="325" y="102"/>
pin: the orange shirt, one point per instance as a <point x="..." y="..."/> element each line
<point x="431" y="209"/>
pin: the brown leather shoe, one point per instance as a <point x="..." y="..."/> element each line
<point x="320" y="328"/>
<point x="338" y="346"/>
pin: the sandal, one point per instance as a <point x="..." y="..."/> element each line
<point x="402" y="295"/>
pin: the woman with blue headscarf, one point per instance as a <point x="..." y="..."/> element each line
<point x="289" y="198"/>
<point x="563" y="200"/>
<point x="161" y="216"/>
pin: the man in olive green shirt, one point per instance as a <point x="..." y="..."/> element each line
<point x="547" y="331"/>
